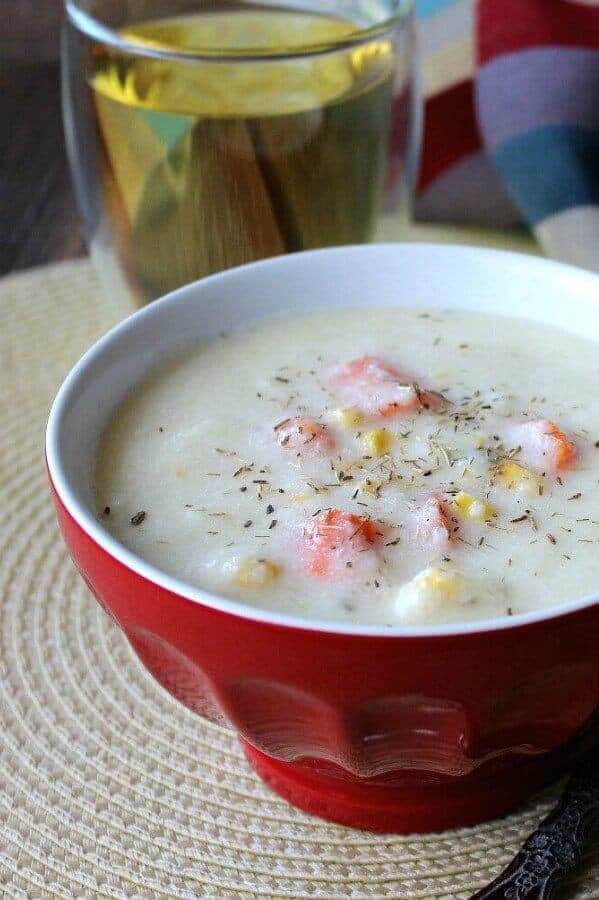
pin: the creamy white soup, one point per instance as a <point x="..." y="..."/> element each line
<point x="384" y="466"/>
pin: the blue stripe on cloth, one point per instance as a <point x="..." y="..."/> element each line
<point x="550" y="169"/>
<point x="426" y="8"/>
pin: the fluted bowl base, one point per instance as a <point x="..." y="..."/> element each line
<point x="361" y="804"/>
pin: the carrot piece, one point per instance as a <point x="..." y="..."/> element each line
<point x="380" y="389"/>
<point x="335" y="540"/>
<point x="542" y="446"/>
<point x="304" y="435"/>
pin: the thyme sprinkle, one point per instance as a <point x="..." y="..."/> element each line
<point x="138" y="518"/>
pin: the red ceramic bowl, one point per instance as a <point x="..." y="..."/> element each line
<point x="406" y="729"/>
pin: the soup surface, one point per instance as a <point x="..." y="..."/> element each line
<point x="384" y="466"/>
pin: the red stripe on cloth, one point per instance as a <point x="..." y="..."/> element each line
<point x="519" y="24"/>
<point x="450" y="131"/>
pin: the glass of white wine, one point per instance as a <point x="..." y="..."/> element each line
<point x="207" y="134"/>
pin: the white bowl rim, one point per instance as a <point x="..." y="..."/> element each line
<point x="94" y="529"/>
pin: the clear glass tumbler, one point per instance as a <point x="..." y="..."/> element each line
<point x="207" y="134"/>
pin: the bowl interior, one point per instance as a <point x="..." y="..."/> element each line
<point x="508" y="284"/>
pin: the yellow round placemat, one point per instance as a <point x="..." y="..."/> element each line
<point x="108" y="788"/>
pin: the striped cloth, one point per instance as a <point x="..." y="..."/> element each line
<point x="511" y="119"/>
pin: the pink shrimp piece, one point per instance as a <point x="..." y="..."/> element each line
<point x="367" y="370"/>
<point x="429" y="526"/>
<point x="380" y="389"/>
<point x="336" y="542"/>
<point x="304" y="436"/>
<point x="543" y="446"/>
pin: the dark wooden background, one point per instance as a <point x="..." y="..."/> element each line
<point x="38" y="214"/>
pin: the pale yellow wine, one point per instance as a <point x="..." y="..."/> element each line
<point x="210" y="158"/>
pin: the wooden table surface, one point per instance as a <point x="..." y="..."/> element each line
<point x="39" y="221"/>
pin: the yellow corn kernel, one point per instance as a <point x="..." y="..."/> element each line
<point x="349" y="417"/>
<point x="439" y="583"/>
<point x="256" y="573"/>
<point x="469" y="507"/>
<point x="180" y="472"/>
<point x="514" y="477"/>
<point x="376" y="443"/>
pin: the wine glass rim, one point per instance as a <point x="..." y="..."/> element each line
<point x="94" y="28"/>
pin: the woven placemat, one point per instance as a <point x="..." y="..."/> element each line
<point x="108" y="788"/>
